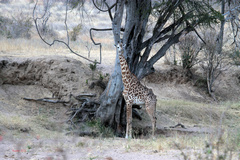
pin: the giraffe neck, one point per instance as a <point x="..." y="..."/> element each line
<point x="126" y="74"/>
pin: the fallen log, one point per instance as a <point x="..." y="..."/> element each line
<point x="50" y="100"/>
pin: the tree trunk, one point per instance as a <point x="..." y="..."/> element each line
<point x="112" y="110"/>
<point x="111" y="106"/>
<point x="221" y="32"/>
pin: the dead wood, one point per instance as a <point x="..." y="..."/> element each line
<point x="99" y="83"/>
<point x="83" y="133"/>
<point x="178" y="125"/>
<point x="82" y="110"/>
<point x="50" y="100"/>
<point x="86" y="94"/>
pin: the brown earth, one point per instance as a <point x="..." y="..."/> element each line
<point x="36" y="130"/>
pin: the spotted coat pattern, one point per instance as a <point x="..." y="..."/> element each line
<point x="135" y="93"/>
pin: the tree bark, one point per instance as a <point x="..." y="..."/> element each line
<point x="221" y="32"/>
<point x="112" y="111"/>
<point x="111" y="99"/>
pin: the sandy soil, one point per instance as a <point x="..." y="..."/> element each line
<point x="37" y="130"/>
<point x="80" y="148"/>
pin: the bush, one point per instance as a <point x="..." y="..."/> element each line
<point x="5" y="1"/>
<point x="93" y="67"/>
<point x="75" y="32"/>
<point x="46" y="31"/>
<point x="212" y="62"/>
<point x="100" y="129"/>
<point x="189" y="48"/>
<point x="3" y="25"/>
<point x="235" y="56"/>
<point x="16" y="27"/>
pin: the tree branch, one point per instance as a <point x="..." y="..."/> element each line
<point x="65" y="22"/>
<point x="107" y="10"/>
<point x="164" y="48"/>
<point x="156" y="39"/>
<point x="189" y="24"/>
<point x="165" y="17"/>
<point x="55" y="40"/>
<point x="117" y="20"/>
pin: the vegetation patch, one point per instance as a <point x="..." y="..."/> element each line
<point x="14" y="122"/>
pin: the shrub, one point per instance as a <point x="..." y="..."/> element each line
<point x="93" y="67"/>
<point x="212" y="62"/>
<point x="76" y="3"/>
<point x="235" y="56"/>
<point x="101" y="130"/>
<point x="5" y="1"/>
<point x="47" y="31"/>
<point x="75" y="32"/>
<point x="189" y="47"/>
<point x="3" y="25"/>
<point x="16" y="27"/>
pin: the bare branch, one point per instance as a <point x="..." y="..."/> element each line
<point x="189" y="24"/>
<point x="35" y="19"/>
<point x="108" y="8"/>
<point x="107" y="29"/>
<point x="229" y="15"/>
<point x="65" y="21"/>
<point x="102" y="10"/>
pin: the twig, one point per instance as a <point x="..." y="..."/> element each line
<point x="79" y="110"/>
<point x="35" y="19"/>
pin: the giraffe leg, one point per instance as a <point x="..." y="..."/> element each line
<point x="151" y="110"/>
<point x="129" y="121"/>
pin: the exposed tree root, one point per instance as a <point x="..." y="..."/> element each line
<point x="84" y="109"/>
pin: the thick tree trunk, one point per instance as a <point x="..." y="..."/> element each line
<point x="111" y="101"/>
<point x="112" y="110"/>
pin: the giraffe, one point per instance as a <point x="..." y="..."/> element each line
<point x="135" y="93"/>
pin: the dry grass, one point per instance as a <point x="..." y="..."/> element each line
<point x="199" y="113"/>
<point x="14" y="122"/>
<point x="187" y="112"/>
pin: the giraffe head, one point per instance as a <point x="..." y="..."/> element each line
<point x="120" y="48"/>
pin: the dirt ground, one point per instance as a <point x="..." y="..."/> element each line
<point x="37" y="130"/>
